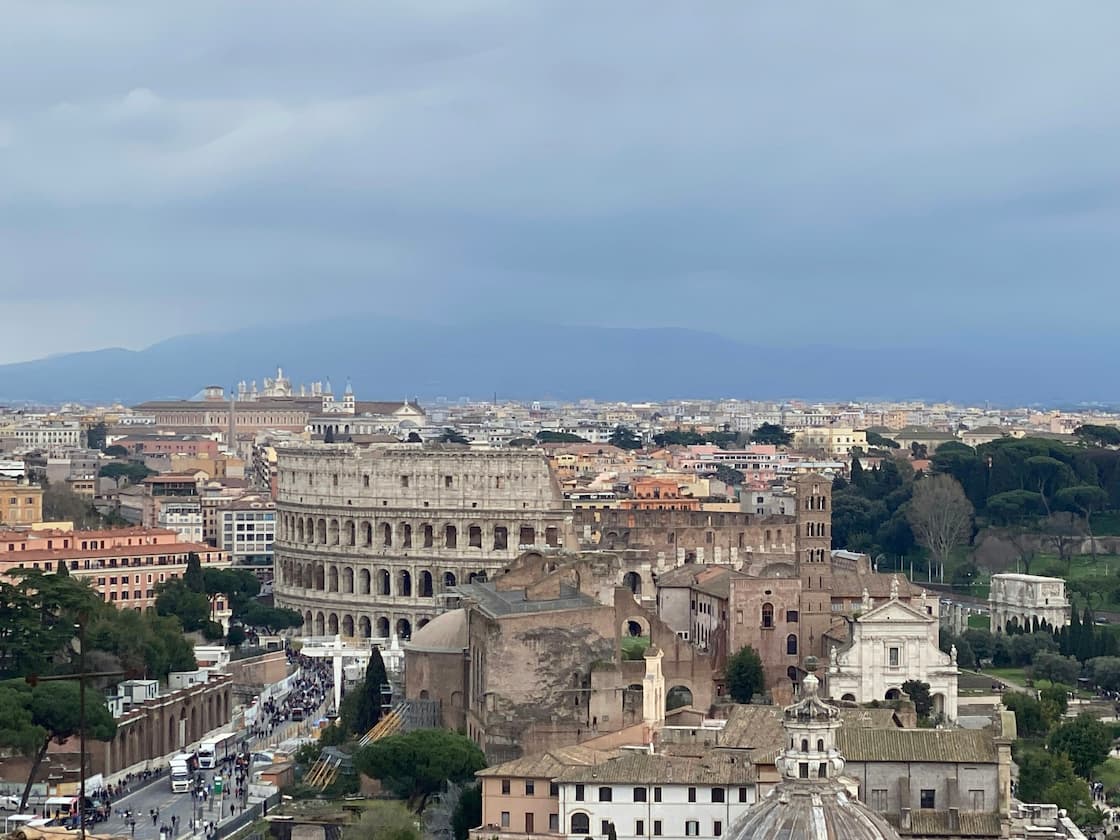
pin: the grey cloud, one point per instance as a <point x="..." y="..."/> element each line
<point x="499" y="155"/>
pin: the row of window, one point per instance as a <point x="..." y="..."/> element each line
<point x="792" y="616"/>
<point x="581" y="824"/>
<point x="640" y="794"/>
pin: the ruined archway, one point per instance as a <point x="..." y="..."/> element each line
<point x="678" y="696"/>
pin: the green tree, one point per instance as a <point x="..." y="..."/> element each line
<point x="452" y="436"/>
<point x="1055" y="700"/>
<point x="677" y="437"/>
<point x="1094" y="435"/>
<point x="1050" y="778"/>
<point x="625" y="438"/>
<point x="131" y="471"/>
<point x="1086" y="500"/>
<point x="367" y="706"/>
<point x="772" y="433"/>
<point x="878" y="441"/>
<point x="176" y="598"/>
<point x="729" y="475"/>
<point x="239" y="586"/>
<point x="384" y="821"/>
<point x="95" y="435"/>
<point x="745" y="676"/>
<point x="269" y="619"/>
<point x="468" y="811"/>
<point x="116" y="451"/>
<point x="1048" y="665"/>
<point x="559" y="437"/>
<point x="56" y="712"/>
<point x="328" y="435"/>
<point x="1028" y="713"/>
<point x="919" y="695"/>
<point x="417" y="764"/>
<point x="193" y="577"/>
<point x="1104" y="672"/>
<point x="856" y="473"/>
<point x="236" y="635"/>
<point x="61" y="504"/>
<point x="1085" y="741"/>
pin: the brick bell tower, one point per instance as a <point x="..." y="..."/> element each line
<point x="814" y="559"/>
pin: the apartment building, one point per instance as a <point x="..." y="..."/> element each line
<point x="21" y="503"/>
<point x="124" y="565"/>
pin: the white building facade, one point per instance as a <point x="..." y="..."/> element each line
<point x="182" y="517"/>
<point x="1021" y="599"/>
<point x="662" y="796"/>
<point x="889" y="645"/>
<point x="247" y="531"/>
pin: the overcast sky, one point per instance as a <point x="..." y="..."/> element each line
<point x="905" y="171"/>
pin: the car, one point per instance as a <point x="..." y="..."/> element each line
<point x="9" y="803"/>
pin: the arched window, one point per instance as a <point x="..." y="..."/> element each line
<point x="450" y="537"/>
<point x="791" y="645"/>
<point x="386" y="534"/>
<point x="581" y="824"/>
<point x="804" y="745"/>
<point x="820" y="745"/>
<point x="767" y="615"/>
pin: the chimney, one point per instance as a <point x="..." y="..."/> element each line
<point x="954" y="820"/>
<point x="905" y="822"/>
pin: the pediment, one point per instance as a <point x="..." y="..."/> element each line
<point x="895" y="611"/>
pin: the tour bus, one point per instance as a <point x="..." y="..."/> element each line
<point x="297" y="713"/>
<point x="213" y="750"/>
<point x="183" y="766"/>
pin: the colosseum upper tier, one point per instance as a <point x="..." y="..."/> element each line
<point x="369" y="540"/>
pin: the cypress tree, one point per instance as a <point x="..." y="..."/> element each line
<point x="63" y="569"/>
<point x="369" y="705"/>
<point x="193" y="577"/>
<point x="857" y="473"/>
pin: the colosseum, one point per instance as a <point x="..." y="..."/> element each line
<point x="370" y="540"/>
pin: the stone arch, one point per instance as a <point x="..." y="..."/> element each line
<point x="365" y="627"/>
<point x="581" y="823"/>
<point x="299" y="529"/>
<point x="938" y="703"/>
<point x="450" y="536"/>
<point x="404" y="583"/>
<point x="172" y="734"/>
<point x="348" y="580"/>
<point x="422" y="623"/>
<point x="428" y="535"/>
<point x="386" y="534"/>
<point x="477" y="577"/>
<point x="677" y="696"/>
<point x="384" y="582"/>
<point x="310" y="530"/>
<point x="367" y="533"/>
<point x="351" y="532"/>
<point x="426" y="587"/>
<point x="448" y="580"/>
<point x="320" y="624"/>
<point x="332" y="579"/>
<point x="635" y="626"/>
<point x="893" y="694"/>
<point x="363" y="582"/>
<point x="527" y="536"/>
<point x="474" y="535"/>
<point x="848" y="696"/>
<point x="321" y="532"/>
<point x="406" y="535"/>
<point x="332" y="624"/>
<point x="404" y="629"/>
<point x="767" y="614"/>
<point x="633" y="582"/>
<point x="309" y="621"/>
<point x="332" y="532"/>
<point x="633" y="698"/>
<point x="320" y="577"/>
<point x="383" y="627"/>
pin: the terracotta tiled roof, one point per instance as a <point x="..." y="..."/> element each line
<point x="645" y="769"/>
<point x="547" y="765"/>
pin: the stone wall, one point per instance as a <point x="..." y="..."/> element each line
<point x="264" y="669"/>
<point x="370" y="540"/>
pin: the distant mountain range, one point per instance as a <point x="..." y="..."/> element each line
<point x="389" y="359"/>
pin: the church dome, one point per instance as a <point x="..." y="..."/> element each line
<point x="810" y="802"/>
<point x="444" y="633"/>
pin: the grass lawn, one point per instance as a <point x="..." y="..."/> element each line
<point x="1015" y="675"/>
<point x="979" y="622"/>
<point x="1108" y="772"/>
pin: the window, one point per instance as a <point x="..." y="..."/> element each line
<point x="767" y="615"/>
<point x="803" y="770"/>
<point x="742" y="794"/>
<point x="928" y="798"/>
<point x="581" y="824"/>
<point x="719" y="794"/>
<point x="692" y="794"/>
<point x="879" y="799"/>
<point x="606" y="826"/>
<point x="656" y="796"/>
<point x="404" y="481"/>
<point x="530" y="787"/>
<point x="604" y="794"/>
<point x="553" y="789"/>
<point x="791" y="645"/>
<point x="505" y="819"/>
<point x="505" y="787"/>
<point x="893" y="657"/>
<point x="692" y="828"/>
<point x="976" y="800"/>
<point x="579" y="795"/>
<point x="657" y="828"/>
<point x="447" y="481"/>
<point x="554" y="823"/>
<point x="639" y="795"/>
<point x="791" y="616"/>
<point x="717" y="827"/>
<point x="640" y="828"/>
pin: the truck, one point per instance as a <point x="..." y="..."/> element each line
<point x="183" y="766"/>
<point x="213" y="750"/>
